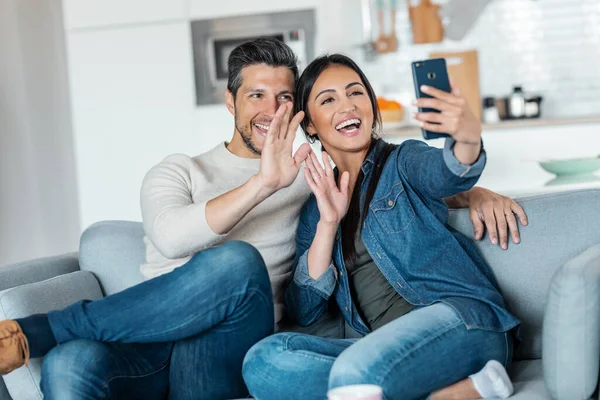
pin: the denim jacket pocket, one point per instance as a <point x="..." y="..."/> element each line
<point x="393" y="212"/>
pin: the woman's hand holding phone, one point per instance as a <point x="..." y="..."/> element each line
<point x="455" y="118"/>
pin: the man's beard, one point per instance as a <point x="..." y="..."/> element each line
<point x="247" y="137"/>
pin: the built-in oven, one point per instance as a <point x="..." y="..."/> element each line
<point x="214" y="39"/>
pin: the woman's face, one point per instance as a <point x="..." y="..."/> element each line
<point x="341" y="113"/>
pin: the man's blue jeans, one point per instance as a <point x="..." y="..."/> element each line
<point x="184" y="333"/>
<point x="410" y="357"/>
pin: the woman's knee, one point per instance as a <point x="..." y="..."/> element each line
<point x="263" y="357"/>
<point x="351" y="368"/>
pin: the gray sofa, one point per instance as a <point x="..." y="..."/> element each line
<point x="551" y="281"/>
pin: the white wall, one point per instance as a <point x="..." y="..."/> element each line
<point x="38" y="199"/>
<point x="132" y="87"/>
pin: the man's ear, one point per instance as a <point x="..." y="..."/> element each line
<point x="230" y="101"/>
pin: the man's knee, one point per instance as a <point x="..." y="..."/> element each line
<point x="234" y="260"/>
<point x="71" y="370"/>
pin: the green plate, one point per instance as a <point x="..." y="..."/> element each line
<point x="573" y="166"/>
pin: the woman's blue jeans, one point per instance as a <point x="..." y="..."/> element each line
<point x="425" y="350"/>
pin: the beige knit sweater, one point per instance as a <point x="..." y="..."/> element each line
<point x="173" y="199"/>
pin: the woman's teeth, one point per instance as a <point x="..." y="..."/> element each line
<point x="346" y="123"/>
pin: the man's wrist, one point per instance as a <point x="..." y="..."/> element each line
<point x="258" y="188"/>
<point x="465" y="198"/>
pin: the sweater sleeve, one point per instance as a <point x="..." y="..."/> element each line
<point x="172" y="221"/>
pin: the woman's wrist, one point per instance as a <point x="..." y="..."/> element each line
<point x="469" y="142"/>
<point x="328" y="226"/>
<point x="467" y="153"/>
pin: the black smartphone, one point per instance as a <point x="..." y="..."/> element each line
<point x="435" y="74"/>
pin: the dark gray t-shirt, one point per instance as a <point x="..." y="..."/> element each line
<point x="377" y="300"/>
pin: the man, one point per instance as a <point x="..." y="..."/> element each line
<point x="208" y="297"/>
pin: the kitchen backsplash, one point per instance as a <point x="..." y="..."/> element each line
<point x="550" y="47"/>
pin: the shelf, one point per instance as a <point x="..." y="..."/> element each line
<point x="415" y="131"/>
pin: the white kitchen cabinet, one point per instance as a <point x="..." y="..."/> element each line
<point x="338" y="21"/>
<point x="132" y="94"/>
<point x="200" y="10"/>
<point x="102" y="13"/>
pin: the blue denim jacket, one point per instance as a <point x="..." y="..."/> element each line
<point x="406" y="232"/>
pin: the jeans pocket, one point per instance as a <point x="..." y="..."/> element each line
<point x="393" y="212"/>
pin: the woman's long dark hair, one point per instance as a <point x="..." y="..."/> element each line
<point x="355" y="217"/>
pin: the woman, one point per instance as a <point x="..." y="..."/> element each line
<point x="374" y="236"/>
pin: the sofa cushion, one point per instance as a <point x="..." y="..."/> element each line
<point x="41" y="297"/>
<point x="527" y="378"/>
<point x="37" y="270"/>
<point x="113" y="251"/>
<point x="561" y="226"/>
<point x="571" y="326"/>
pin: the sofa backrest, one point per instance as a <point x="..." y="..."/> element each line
<point x="561" y="226"/>
<point x="113" y="251"/>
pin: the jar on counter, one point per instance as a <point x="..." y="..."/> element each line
<point x="490" y="111"/>
<point x="533" y="106"/>
<point x="516" y="103"/>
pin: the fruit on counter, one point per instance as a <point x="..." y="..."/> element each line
<point x="385" y="104"/>
<point x="391" y="111"/>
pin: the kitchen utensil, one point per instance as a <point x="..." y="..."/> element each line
<point x="463" y="68"/>
<point x="381" y="43"/>
<point x="426" y="22"/>
<point x="392" y="38"/>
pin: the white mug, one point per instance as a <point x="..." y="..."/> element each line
<point x="356" y="392"/>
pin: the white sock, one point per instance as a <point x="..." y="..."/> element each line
<point x="493" y="381"/>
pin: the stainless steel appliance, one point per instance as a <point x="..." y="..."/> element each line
<point x="213" y="40"/>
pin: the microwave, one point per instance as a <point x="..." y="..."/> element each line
<point x="214" y="39"/>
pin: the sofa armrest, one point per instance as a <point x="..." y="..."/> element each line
<point x="41" y="297"/>
<point x="37" y="270"/>
<point x="571" y="330"/>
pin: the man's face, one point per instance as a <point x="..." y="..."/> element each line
<point x="263" y="90"/>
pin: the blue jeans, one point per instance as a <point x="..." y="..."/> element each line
<point x="184" y="333"/>
<point x="410" y="357"/>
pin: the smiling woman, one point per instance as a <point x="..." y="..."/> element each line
<point x="374" y="236"/>
<point x="339" y="80"/>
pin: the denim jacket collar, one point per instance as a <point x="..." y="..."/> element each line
<point x="369" y="161"/>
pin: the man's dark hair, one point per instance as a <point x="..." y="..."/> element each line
<point x="263" y="50"/>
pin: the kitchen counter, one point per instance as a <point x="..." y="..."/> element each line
<point x="413" y="131"/>
<point x="514" y="149"/>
